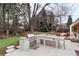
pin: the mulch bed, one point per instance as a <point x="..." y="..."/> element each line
<point x="77" y="52"/>
<point x="74" y="40"/>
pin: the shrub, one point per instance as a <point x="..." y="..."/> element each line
<point x="43" y="26"/>
<point x="2" y="51"/>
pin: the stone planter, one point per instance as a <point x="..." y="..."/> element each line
<point x="2" y="51"/>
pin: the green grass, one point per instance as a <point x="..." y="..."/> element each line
<point x="8" y="41"/>
<point x="5" y="42"/>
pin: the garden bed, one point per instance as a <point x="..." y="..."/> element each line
<point x="75" y="40"/>
<point x="3" y="51"/>
<point x="77" y="52"/>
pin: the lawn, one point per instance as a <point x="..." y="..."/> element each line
<point x="8" y="41"/>
<point x="12" y="40"/>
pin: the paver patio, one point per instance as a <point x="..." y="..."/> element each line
<point x="47" y="51"/>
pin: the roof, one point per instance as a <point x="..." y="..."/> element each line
<point x="76" y="22"/>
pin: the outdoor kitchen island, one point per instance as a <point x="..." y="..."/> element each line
<point x="50" y="40"/>
<point x="47" y="40"/>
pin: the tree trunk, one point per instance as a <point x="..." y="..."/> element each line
<point x="32" y="24"/>
<point x="7" y="32"/>
<point x="15" y="26"/>
<point x="31" y="29"/>
<point x="4" y="17"/>
<point x="60" y="25"/>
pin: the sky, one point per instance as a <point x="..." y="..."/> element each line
<point x="74" y="11"/>
<point x="75" y="14"/>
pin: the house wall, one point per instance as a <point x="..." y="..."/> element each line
<point x="74" y="30"/>
<point x="77" y="30"/>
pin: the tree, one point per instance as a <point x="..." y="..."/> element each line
<point x="43" y="26"/>
<point x="42" y="19"/>
<point x="51" y="19"/>
<point x="34" y="15"/>
<point x="8" y="18"/>
<point x="25" y="13"/>
<point x="62" y="11"/>
<point x="3" y="12"/>
<point x="69" y="22"/>
<point x="30" y="13"/>
<point x="15" y="8"/>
